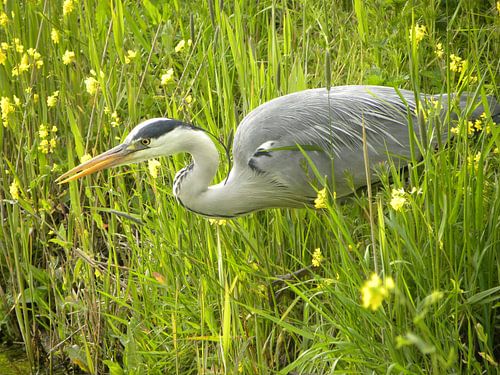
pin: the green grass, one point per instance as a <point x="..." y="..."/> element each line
<point x="110" y="274"/>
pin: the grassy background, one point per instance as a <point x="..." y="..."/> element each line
<point x="110" y="274"/>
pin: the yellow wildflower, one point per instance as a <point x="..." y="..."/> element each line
<point x="38" y="60"/>
<point x="47" y="145"/>
<point x="418" y="32"/>
<point x="470" y="127"/>
<point x="44" y="146"/>
<point x="14" y="190"/>
<point x="320" y="201"/>
<point x="43" y="131"/>
<point x="4" y="19"/>
<point x="35" y="98"/>
<point x="131" y="55"/>
<point x="398" y="199"/>
<point x="498" y="7"/>
<point x="167" y="77"/>
<point x="52" y="99"/>
<point x="457" y="64"/>
<point x="68" y="7"/>
<point x="478" y="124"/>
<point x="5" y="46"/>
<point x="188" y="99"/>
<point x="473" y="161"/>
<point x="439" y="50"/>
<point x="17" y="101"/>
<point x="180" y="46"/>
<point x="22" y="67"/>
<point x="68" y="57"/>
<point x="54" y="35"/>
<point x="115" y="120"/>
<point x="18" y="46"/>
<point x="3" y="57"/>
<point x="317" y="257"/>
<point x="153" y="166"/>
<point x="91" y="85"/>
<point x="374" y="291"/>
<point x="7" y="108"/>
<point x="217" y="221"/>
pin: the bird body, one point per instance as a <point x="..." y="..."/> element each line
<point x="284" y="150"/>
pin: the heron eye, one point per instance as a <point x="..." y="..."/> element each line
<point x="145" y="141"/>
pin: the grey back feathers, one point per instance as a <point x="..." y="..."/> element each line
<point x="331" y="125"/>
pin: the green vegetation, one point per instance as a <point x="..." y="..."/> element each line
<point x="110" y="274"/>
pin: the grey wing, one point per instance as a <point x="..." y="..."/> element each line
<point x="313" y="133"/>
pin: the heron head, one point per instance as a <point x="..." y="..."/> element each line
<point x="150" y="139"/>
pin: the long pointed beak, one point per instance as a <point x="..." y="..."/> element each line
<point x="116" y="156"/>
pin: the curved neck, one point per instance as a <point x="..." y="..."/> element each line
<point x="195" y="178"/>
<point x="191" y="184"/>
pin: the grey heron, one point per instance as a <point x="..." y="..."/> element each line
<point x="282" y="147"/>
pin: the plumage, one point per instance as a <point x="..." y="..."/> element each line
<point x="283" y="148"/>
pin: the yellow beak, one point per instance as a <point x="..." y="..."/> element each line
<point x="116" y="156"/>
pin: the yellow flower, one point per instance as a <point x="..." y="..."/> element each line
<point x="91" y="85"/>
<point x="22" y="67"/>
<point x="115" y="120"/>
<point x="14" y="190"/>
<point x="478" y="124"/>
<point x="217" y="221"/>
<point x="153" y="166"/>
<point x="188" y="99"/>
<point x="54" y="35"/>
<point x="130" y="56"/>
<point x="43" y="132"/>
<point x="52" y="99"/>
<point x="439" y="50"/>
<point x="44" y="146"/>
<point x="498" y="7"/>
<point x="3" y="57"/>
<point x="4" y="19"/>
<point x="180" y="46"/>
<point x="7" y="108"/>
<point x="5" y="46"/>
<point x="418" y="32"/>
<point x="17" y="101"/>
<point x="398" y="199"/>
<point x="374" y="291"/>
<point x="18" y="46"/>
<point x="317" y="257"/>
<point x="320" y="201"/>
<point x="68" y="57"/>
<point x="457" y="64"/>
<point x="473" y="161"/>
<point x="68" y="7"/>
<point x="38" y="61"/>
<point x="470" y="127"/>
<point x="496" y="150"/>
<point x="167" y="77"/>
